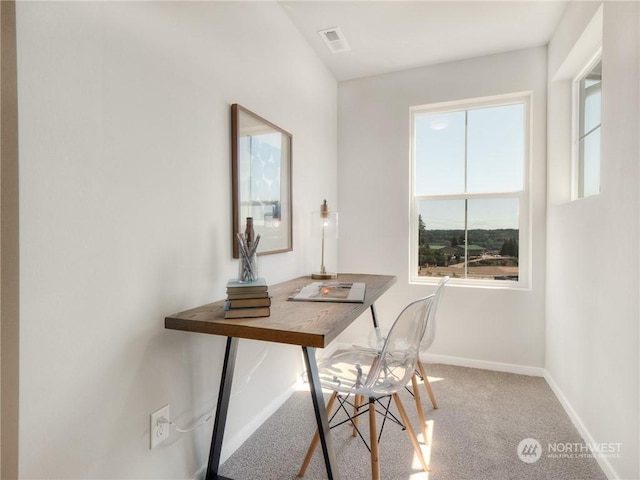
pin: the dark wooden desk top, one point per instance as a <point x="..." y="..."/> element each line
<point x="310" y="324"/>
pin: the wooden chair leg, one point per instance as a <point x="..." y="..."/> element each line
<point x="410" y="432"/>
<point x="423" y="374"/>
<point x="373" y="440"/>
<point x="416" y="396"/>
<point x="356" y="418"/>
<point x="316" y="439"/>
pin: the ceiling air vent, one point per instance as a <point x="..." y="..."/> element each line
<point x="334" y="39"/>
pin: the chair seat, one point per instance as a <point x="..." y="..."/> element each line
<point x="348" y="372"/>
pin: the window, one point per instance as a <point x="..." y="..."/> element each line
<point x="469" y="191"/>
<point x="587" y="125"/>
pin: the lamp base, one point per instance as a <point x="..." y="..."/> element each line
<point x="324" y="276"/>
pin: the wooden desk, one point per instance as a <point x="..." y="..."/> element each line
<point x="310" y="325"/>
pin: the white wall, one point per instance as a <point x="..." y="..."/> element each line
<point x="486" y="325"/>
<point x="592" y="311"/>
<point x="125" y="217"/>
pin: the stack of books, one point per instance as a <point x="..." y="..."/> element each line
<point x="247" y="299"/>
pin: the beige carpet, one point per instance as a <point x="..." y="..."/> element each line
<point x="483" y="417"/>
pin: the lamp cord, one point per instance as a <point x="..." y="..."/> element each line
<point x="186" y="430"/>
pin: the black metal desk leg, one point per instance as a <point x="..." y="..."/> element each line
<point x="222" y="408"/>
<point x="374" y="317"/>
<point x="320" y="412"/>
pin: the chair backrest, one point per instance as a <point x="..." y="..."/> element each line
<point x="397" y="359"/>
<point x="430" y="332"/>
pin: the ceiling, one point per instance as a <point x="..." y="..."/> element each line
<point x="391" y="35"/>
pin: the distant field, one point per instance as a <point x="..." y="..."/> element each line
<point x="457" y="271"/>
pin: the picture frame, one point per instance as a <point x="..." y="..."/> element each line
<point x="261" y="181"/>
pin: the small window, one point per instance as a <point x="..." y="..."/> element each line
<point x="470" y="192"/>
<point x="587" y="128"/>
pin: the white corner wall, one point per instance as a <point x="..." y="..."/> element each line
<point x="592" y="312"/>
<point x="500" y="328"/>
<point x="125" y="217"/>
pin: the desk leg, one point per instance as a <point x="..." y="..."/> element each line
<point x="321" y="414"/>
<point x="374" y="317"/>
<point x="222" y="408"/>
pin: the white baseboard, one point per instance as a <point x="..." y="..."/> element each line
<point x="471" y="363"/>
<point x="484" y="364"/>
<point x="200" y="474"/>
<point x="232" y="443"/>
<point x="604" y="463"/>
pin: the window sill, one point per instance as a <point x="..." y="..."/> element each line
<point x="460" y="282"/>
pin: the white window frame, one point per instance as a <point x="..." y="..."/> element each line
<point x="576" y="113"/>
<point x="524" y="217"/>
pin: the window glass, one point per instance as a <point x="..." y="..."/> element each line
<point x="592" y="104"/>
<point x="439" y="148"/>
<point x="496" y="149"/>
<point x="589" y="116"/>
<point x="493" y="238"/>
<point x="590" y="154"/>
<point x="477" y="238"/>
<point x="441" y="238"/>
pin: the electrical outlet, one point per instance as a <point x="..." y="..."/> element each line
<point x="159" y="432"/>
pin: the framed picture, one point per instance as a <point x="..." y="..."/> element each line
<point x="261" y="181"/>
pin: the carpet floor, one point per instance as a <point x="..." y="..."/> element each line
<point x="475" y="434"/>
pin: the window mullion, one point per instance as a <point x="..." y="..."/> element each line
<point x="466" y="201"/>
<point x="466" y="239"/>
<point x="466" y="149"/>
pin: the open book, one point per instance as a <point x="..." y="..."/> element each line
<point x="330" y="292"/>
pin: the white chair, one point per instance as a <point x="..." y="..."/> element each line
<point x="374" y="374"/>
